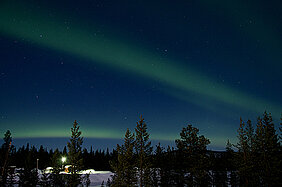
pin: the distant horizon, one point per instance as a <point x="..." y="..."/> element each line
<point x="96" y="143"/>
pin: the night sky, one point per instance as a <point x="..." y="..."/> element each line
<point x="106" y="62"/>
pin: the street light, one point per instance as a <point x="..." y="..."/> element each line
<point x="63" y="160"/>
<point x="37" y="164"/>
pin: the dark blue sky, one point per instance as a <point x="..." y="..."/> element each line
<point x="104" y="63"/>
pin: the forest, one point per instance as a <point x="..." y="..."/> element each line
<point x="255" y="160"/>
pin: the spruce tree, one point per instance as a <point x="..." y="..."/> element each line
<point x="259" y="153"/>
<point x="245" y="158"/>
<point x="124" y="167"/>
<point x="144" y="151"/>
<point x="268" y="152"/>
<point x="75" y="155"/>
<point x="129" y="164"/>
<point x="5" y="156"/>
<point x="117" y="167"/>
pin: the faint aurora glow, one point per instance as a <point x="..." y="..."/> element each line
<point x="123" y="56"/>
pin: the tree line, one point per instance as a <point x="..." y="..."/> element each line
<point x="29" y="159"/>
<point x="254" y="161"/>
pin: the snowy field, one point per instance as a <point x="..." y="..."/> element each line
<point x="96" y="177"/>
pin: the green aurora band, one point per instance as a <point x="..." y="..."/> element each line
<point x="123" y="56"/>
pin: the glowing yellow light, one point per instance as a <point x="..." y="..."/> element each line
<point x="64" y="159"/>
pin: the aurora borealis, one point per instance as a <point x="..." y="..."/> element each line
<point x="104" y="63"/>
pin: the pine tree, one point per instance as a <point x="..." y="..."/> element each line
<point x="268" y="152"/>
<point x="259" y="155"/>
<point x="7" y="140"/>
<point x="158" y="166"/>
<point x="43" y="155"/>
<point x="124" y="167"/>
<point x="192" y="150"/>
<point x="29" y="177"/>
<point x="6" y="148"/>
<point x="74" y="155"/>
<point x="129" y="164"/>
<point x="65" y="151"/>
<point x="245" y="157"/>
<point x="230" y="165"/>
<point x="56" y="178"/>
<point x="144" y="151"/>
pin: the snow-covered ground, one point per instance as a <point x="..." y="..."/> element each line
<point x="99" y="176"/>
<point x="96" y="177"/>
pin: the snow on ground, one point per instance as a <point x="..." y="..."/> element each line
<point x="96" y="177"/>
<point x="99" y="176"/>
